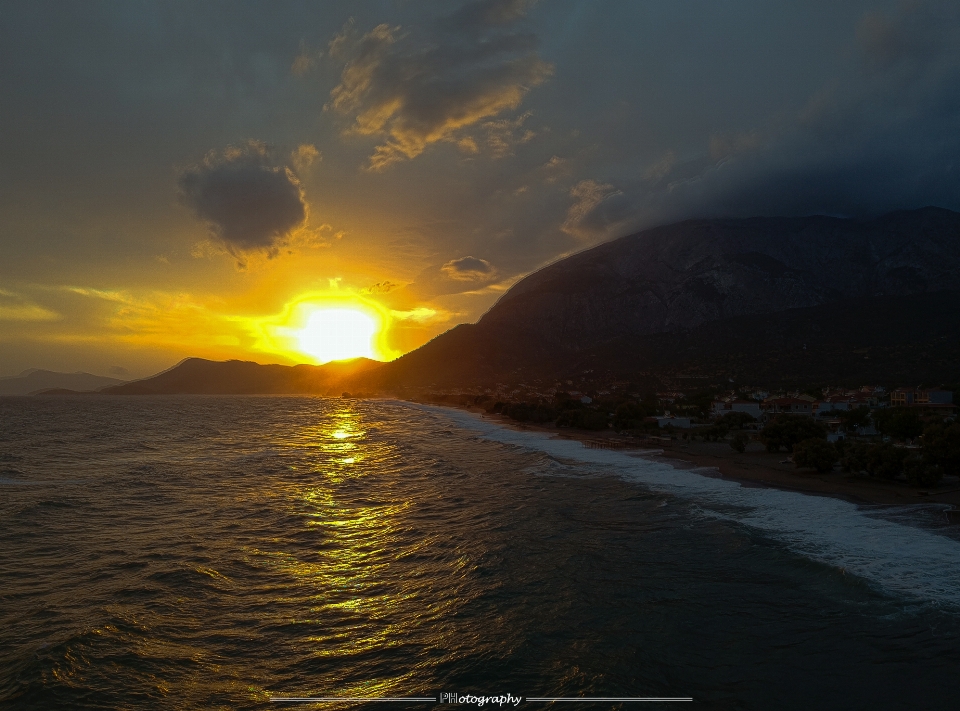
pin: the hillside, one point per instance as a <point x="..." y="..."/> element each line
<point x="768" y="299"/>
<point x="680" y="276"/>
<point x="32" y="381"/>
<point x="196" y="376"/>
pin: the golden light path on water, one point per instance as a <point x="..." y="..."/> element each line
<point x="363" y="543"/>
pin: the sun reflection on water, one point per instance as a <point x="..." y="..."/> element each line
<point x="354" y="581"/>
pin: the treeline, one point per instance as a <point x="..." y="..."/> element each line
<point x="935" y="454"/>
<point x="567" y="411"/>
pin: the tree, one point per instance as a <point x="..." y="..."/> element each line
<point x="788" y="430"/>
<point x="920" y="472"/>
<point x="583" y="419"/>
<point x="736" y="420"/>
<point x="852" y="420"/>
<point x="884" y="461"/>
<point x="898" y="422"/>
<point x="941" y="447"/>
<point x="630" y="415"/>
<point x="816" y="454"/>
<point x="739" y="442"/>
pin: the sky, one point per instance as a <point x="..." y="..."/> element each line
<point x="181" y="178"/>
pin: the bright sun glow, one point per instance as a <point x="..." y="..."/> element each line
<point x="338" y="333"/>
<point x="318" y="328"/>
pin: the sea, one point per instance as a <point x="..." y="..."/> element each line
<point x="193" y="552"/>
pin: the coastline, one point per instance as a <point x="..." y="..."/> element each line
<point x="754" y="467"/>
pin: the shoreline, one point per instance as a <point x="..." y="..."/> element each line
<point x="755" y="467"/>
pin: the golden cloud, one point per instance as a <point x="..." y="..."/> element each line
<point x="412" y="95"/>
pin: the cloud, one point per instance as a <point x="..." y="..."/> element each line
<point x="305" y="155"/>
<point x="468" y="269"/>
<point x="585" y="219"/>
<point x="250" y="203"/>
<point x="880" y="138"/>
<point x="422" y="315"/>
<point x="14" y="307"/>
<point x="305" y="60"/>
<point x="458" y="276"/>
<point x="411" y="91"/>
<point x="164" y="320"/>
<point x="917" y="31"/>
<point x="487" y="13"/>
<point x="503" y="135"/>
<point x="381" y="287"/>
<point x="556" y="169"/>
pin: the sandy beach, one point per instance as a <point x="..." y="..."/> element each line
<point x="757" y="467"/>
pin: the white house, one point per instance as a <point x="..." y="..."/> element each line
<point x="722" y="407"/>
<point x="664" y="420"/>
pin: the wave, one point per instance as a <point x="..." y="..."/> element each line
<point x="895" y="556"/>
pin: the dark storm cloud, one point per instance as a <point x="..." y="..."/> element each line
<point x="881" y="139"/>
<point x="411" y="91"/>
<point x="249" y="202"/>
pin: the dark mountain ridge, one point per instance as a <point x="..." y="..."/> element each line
<point x="679" y="276"/>
<point x="684" y="297"/>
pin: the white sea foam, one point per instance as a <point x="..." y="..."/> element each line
<point x="900" y="559"/>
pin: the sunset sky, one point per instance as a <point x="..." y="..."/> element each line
<point x="191" y="179"/>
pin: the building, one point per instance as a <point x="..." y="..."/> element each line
<point x="723" y="407"/>
<point x="841" y="402"/>
<point x="787" y="406"/>
<point x="670" y="420"/>
<point x="930" y="400"/>
<point x="907" y="397"/>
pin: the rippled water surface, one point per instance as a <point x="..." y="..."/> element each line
<point x="206" y="553"/>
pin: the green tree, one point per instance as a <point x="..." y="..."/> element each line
<point x="593" y="420"/>
<point x="787" y="430"/>
<point x="920" y="472"/>
<point x="941" y="447"/>
<point x="736" y="420"/>
<point x="898" y="422"/>
<point x="816" y="454"/>
<point x="884" y="461"/>
<point x="852" y="420"/>
<point x="739" y="441"/>
<point x="583" y="419"/>
<point x="630" y="415"/>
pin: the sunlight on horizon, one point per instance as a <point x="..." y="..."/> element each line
<point x="338" y="334"/>
<point x="321" y="328"/>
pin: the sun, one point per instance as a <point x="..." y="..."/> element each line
<point x="318" y="328"/>
<point x="338" y="333"/>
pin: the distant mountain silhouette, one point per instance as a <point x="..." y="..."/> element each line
<point x="235" y="377"/>
<point x="35" y="380"/>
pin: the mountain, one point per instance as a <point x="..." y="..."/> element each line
<point x="235" y="377"/>
<point x="34" y="380"/>
<point x="680" y="276"/>
<point x="688" y="297"/>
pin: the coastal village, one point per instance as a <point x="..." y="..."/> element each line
<point x="899" y="437"/>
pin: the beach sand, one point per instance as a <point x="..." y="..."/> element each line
<point x="757" y="467"/>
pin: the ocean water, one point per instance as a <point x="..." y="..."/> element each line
<point x="217" y="552"/>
